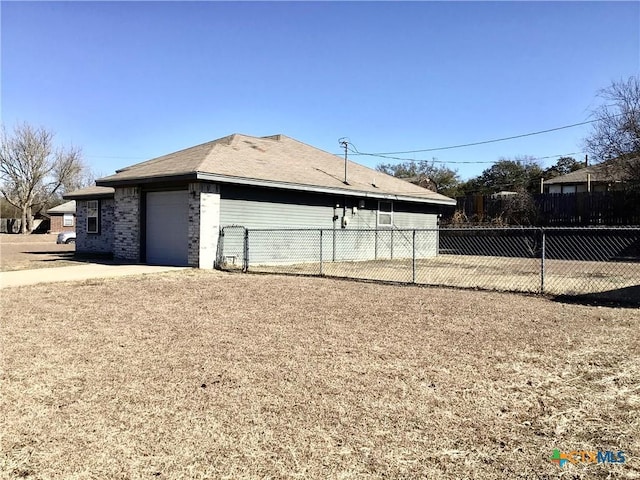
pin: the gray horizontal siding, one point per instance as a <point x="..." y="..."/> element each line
<point x="426" y="242"/>
<point x="273" y="247"/>
<point x="351" y="243"/>
<point x="414" y="220"/>
<point x="268" y="247"/>
<point x="253" y="214"/>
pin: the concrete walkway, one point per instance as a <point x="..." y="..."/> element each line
<point x="76" y="272"/>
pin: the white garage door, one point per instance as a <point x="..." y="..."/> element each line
<point x="167" y="228"/>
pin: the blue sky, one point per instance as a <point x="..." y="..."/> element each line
<point x="128" y="81"/>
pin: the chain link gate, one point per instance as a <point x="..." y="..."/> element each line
<point x="232" y="248"/>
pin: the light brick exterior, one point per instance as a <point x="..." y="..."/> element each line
<point x="204" y="224"/>
<point x="101" y="242"/>
<point x="126" y="224"/>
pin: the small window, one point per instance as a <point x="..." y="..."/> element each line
<point x="92" y="216"/>
<point x="67" y="220"/>
<point x="385" y="214"/>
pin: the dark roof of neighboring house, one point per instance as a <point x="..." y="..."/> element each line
<point x="602" y="172"/>
<point x="67" y="207"/>
<point x="89" y="193"/>
<point x="276" y="161"/>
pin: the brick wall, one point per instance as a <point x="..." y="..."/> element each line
<point x="101" y="242"/>
<point x="120" y="228"/>
<point x="57" y="224"/>
<point x="127" y="224"/>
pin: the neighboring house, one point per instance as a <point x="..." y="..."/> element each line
<point x="602" y="177"/>
<point x="169" y="210"/>
<point x="503" y="194"/>
<point x="62" y="217"/>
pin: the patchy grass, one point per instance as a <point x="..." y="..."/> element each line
<point x="25" y="252"/>
<point x="213" y="375"/>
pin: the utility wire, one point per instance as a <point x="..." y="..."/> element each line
<point x="471" y="161"/>
<point x="482" y="142"/>
<point x="353" y="149"/>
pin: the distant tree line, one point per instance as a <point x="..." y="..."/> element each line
<point x="521" y="174"/>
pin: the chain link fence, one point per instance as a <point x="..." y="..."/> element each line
<point x="604" y="262"/>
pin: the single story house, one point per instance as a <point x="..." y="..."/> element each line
<point x="62" y="217"/>
<point x="169" y="210"/>
<point x="603" y="177"/>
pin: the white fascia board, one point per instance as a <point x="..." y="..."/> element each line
<point x="317" y="189"/>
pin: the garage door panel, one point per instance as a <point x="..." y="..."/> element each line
<point x="167" y="221"/>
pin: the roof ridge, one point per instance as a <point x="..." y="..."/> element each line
<point x="217" y="144"/>
<point x="228" y="139"/>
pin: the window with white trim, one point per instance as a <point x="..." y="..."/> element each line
<point x="67" y="220"/>
<point x="93" y="211"/>
<point x="385" y="214"/>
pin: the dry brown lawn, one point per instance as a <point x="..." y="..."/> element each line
<point x="212" y="375"/>
<point x="22" y="252"/>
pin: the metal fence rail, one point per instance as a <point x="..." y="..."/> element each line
<point x="559" y="261"/>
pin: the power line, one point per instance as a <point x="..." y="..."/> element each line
<point x="471" y="162"/>
<point x="353" y="149"/>
<point x="540" y="132"/>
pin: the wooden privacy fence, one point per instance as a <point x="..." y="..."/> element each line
<point x="554" y="209"/>
<point x="9" y="225"/>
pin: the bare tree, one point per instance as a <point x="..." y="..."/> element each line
<point x="615" y="137"/>
<point x="33" y="171"/>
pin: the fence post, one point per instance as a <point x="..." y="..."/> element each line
<point x="320" y="252"/>
<point x="542" y="258"/>
<point x="333" y="256"/>
<point x="391" y="242"/>
<point x="245" y="260"/>
<point x="220" y="249"/>
<point x="375" y="244"/>
<point x="413" y="257"/>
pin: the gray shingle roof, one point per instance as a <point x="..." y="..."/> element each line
<point x="67" y="207"/>
<point x="91" y="192"/>
<point x="277" y="160"/>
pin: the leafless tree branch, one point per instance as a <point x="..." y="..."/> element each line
<point x="32" y="172"/>
<point x="615" y="136"/>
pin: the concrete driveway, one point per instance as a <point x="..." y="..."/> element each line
<point x="76" y="272"/>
